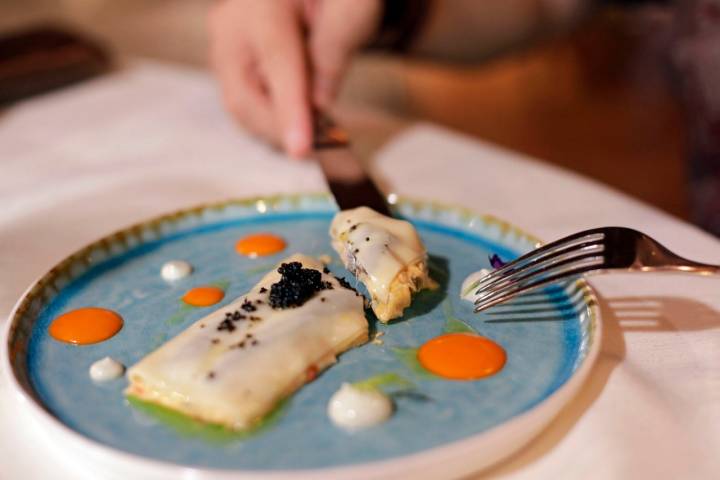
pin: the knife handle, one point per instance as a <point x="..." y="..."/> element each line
<point x="327" y="133"/>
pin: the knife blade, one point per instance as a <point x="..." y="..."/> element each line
<point x="348" y="181"/>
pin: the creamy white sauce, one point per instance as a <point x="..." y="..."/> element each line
<point x="175" y="270"/>
<point x="197" y="371"/>
<point x="355" y="408"/>
<point x="375" y="247"/>
<point x="106" y="369"/>
<point x="472" y="278"/>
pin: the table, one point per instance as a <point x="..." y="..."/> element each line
<point x="152" y="138"/>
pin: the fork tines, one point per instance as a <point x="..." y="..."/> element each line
<point x="568" y="256"/>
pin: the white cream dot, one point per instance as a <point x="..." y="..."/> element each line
<point x="469" y="294"/>
<point x="175" y="270"/>
<point x="106" y="369"/>
<point x="355" y="408"/>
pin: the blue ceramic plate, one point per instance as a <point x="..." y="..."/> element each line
<point x="549" y="338"/>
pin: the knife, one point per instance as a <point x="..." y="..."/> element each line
<point x="349" y="183"/>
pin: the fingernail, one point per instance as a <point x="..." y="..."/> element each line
<point x="296" y="143"/>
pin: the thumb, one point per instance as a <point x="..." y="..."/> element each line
<point x="338" y="29"/>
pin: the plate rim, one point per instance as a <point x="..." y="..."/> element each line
<point x="425" y="463"/>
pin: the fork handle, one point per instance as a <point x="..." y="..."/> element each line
<point x="658" y="258"/>
<point x="686" y="267"/>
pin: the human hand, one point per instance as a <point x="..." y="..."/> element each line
<point x="276" y="59"/>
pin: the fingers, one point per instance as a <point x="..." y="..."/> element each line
<point x="282" y="61"/>
<point x="232" y="59"/>
<point x="257" y="52"/>
<point x="339" y="28"/>
<point x="243" y="93"/>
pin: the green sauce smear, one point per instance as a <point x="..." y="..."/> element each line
<point x="210" y="432"/>
<point x="408" y="355"/>
<point x="384" y="381"/>
<point x="454" y="324"/>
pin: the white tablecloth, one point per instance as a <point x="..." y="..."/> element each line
<point x="78" y="164"/>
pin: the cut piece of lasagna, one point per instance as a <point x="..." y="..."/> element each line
<point x="385" y="254"/>
<point x="233" y="366"/>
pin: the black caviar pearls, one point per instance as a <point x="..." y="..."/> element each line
<point x="226" y="324"/>
<point x="248" y="340"/>
<point x="231" y="317"/>
<point x="247" y="306"/>
<point x="296" y="286"/>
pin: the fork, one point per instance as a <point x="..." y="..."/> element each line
<point x="595" y="250"/>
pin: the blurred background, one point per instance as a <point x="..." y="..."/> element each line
<point x="598" y="100"/>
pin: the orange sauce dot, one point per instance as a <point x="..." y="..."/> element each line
<point x="86" y="325"/>
<point x="260" y="244"/>
<point x="203" y="296"/>
<point x="461" y="356"/>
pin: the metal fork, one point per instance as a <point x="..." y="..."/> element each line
<point x="596" y="250"/>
